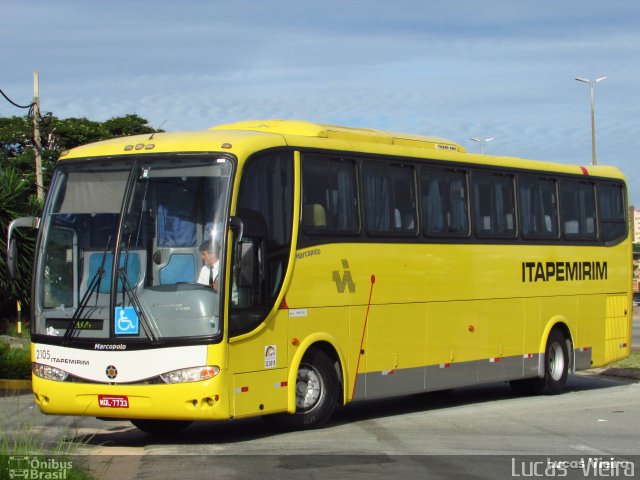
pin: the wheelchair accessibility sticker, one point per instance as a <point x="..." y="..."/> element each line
<point x="127" y="322"/>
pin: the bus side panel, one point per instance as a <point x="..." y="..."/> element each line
<point x="500" y="331"/>
<point x="449" y="336"/>
<point x="256" y="393"/>
<point x="395" y="350"/>
<point x="259" y="362"/>
<point x="588" y="336"/>
<point x="533" y="330"/>
<point x="452" y="345"/>
<point x="616" y="336"/>
<point x="323" y="324"/>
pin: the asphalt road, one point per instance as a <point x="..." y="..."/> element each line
<point x="479" y="432"/>
<point x="476" y="432"/>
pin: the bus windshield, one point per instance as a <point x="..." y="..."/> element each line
<point x="161" y="217"/>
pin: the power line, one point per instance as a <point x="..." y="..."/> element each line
<point x="30" y="106"/>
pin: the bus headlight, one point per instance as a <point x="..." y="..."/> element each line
<point x="195" y="374"/>
<point x="49" y="373"/>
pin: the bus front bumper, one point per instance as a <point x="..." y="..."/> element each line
<point x="205" y="400"/>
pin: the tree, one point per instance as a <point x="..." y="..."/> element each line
<point x="16" y="200"/>
<point x="17" y="182"/>
<point x="16" y="139"/>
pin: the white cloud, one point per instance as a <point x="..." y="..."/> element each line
<point x="453" y="69"/>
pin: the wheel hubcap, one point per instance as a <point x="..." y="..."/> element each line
<point x="556" y="361"/>
<point x="309" y="388"/>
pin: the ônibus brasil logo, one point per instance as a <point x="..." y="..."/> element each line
<point x="27" y="467"/>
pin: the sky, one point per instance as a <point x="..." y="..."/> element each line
<point x="448" y="68"/>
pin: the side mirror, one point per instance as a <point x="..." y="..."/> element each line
<point x="11" y="258"/>
<point x="245" y="256"/>
<point x="246" y="264"/>
<point x="12" y="250"/>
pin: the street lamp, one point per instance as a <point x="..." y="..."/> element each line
<point x="592" y="84"/>
<point x="482" y="142"/>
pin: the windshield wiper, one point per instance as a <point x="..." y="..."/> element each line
<point x="129" y="290"/>
<point x="94" y="286"/>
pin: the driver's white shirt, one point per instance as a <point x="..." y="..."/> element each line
<point x="203" y="278"/>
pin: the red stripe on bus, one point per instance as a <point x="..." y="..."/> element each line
<point x="364" y="329"/>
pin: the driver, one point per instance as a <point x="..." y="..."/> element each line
<point x="210" y="252"/>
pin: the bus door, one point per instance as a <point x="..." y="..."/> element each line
<point x="258" y="353"/>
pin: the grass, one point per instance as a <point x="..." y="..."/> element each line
<point x="9" y="326"/>
<point x="29" y="447"/>
<point x="15" y="363"/>
<point x="632" y="361"/>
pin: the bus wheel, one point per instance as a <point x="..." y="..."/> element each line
<point x="161" y="427"/>
<point x="316" y="393"/>
<point x="556" y="364"/>
<point x="556" y="369"/>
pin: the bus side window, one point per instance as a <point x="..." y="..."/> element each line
<point x="538" y="207"/>
<point x="612" y="211"/>
<point x="389" y="193"/>
<point x="444" y="202"/>
<point x="494" y="202"/>
<point x="578" y="209"/>
<point x="330" y="196"/>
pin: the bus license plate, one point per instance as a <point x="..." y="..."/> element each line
<point x="113" y="401"/>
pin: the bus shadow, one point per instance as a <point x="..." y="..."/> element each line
<point x="463" y="396"/>
<point x="201" y="432"/>
<point x="234" y="431"/>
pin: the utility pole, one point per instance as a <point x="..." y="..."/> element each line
<point x="592" y="84"/>
<point x="37" y="145"/>
<point x="482" y="142"/>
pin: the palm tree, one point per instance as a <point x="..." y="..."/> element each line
<point x="16" y="200"/>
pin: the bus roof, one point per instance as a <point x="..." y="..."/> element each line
<point x="247" y="137"/>
<point x="309" y="129"/>
<point x="316" y="135"/>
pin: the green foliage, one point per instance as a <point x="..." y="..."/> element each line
<point x="57" y="135"/>
<point x="632" y="361"/>
<point x="32" y="441"/>
<point x="17" y="182"/>
<point x="15" y="363"/>
<point x="128" y="125"/>
<point x="16" y="200"/>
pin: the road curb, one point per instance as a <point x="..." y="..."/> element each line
<point x="630" y="373"/>
<point x="15" y="385"/>
<point x="627" y="373"/>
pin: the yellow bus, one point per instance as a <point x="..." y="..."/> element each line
<point x="340" y="265"/>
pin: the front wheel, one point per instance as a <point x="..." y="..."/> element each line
<point x="317" y="389"/>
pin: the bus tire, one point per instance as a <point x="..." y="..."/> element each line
<point x="556" y="364"/>
<point x="317" y="389"/>
<point x="556" y="369"/>
<point x="161" y="427"/>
